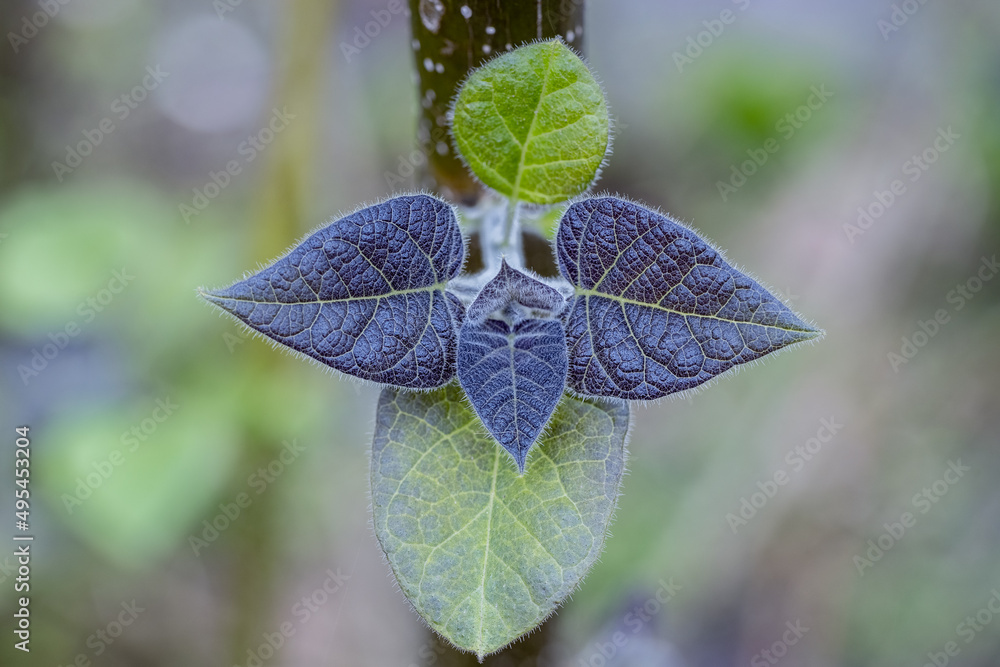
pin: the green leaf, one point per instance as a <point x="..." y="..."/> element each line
<point x="483" y="554"/>
<point x="533" y="124"/>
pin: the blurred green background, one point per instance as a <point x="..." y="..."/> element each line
<point x="152" y="417"/>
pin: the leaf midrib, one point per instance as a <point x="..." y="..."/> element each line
<point x="486" y="549"/>
<point x="431" y="288"/>
<point x="516" y="187"/>
<point x="579" y="291"/>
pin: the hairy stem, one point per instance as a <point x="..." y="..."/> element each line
<point x="512" y="247"/>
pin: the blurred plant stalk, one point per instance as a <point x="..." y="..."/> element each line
<point x="279" y="215"/>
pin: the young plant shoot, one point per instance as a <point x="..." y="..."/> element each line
<point x="500" y="433"/>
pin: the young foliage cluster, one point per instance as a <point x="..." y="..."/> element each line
<point x="644" y="308"/>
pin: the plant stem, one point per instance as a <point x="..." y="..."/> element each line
<point x="512" y="248"/>
<point x="279" y="215"/>
<point x="286" y="178"/>
<point x="451" y="37"/>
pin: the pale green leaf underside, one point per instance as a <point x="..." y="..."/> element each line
<point x="533" y="124"/>
<point x="483" y="554"/>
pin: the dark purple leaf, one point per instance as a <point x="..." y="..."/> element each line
<point x="513" y="369"/>
<point x="657" y="309"/>
<point x="364" y="295"/>
<point x="510" y="286"/>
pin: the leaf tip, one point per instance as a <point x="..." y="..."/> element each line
<point x="805" y="331"/>
<point x="211" y="296"/>
<point x="815" y="332"/>
<point x="812" y="333"/>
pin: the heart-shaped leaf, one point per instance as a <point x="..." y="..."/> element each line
<point x="482" y="553"/>
<point x="657" y="309"/>
<point x="514" y="375"/>
<point x="533" y="124"/>
<point x="364" y="295"/>
<point x="513" y="366"/>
